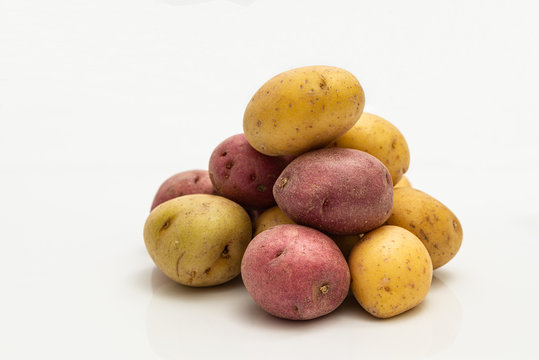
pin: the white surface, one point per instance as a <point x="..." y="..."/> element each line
<point x="101" y="100"/>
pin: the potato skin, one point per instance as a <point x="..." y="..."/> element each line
<point x="275" y="216"/>
<point x="270" y="218"/>
<point x="295" y="272"/>
<point x="380" y="138"/>
<point x="198" y="240"/>
<point x="183" y="183"/>
<point x="303" y="109"/>
<point x="244" y="175"/>
<point x="338" y="191"/>
<point x="430" y="220"/>
<point x="403" y="182"/>
<point x="391" y="271"/>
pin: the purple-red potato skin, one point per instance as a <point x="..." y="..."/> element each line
<point x="336" y="190"/>
<point x="295" y="272"/>
<point x="242" y="174"/>
<point x="184" y="183"/>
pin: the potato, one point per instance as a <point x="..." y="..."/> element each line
<point x="403" y="182"/>
<point x="198" y="240"/>
<point x="184" y="183"/>
<point x="303" y="109"/>
<point x="431" y="221"/>
<point x="346" y="242"/>
<point x="270" y="218"/>
<point x="275" y="216"/>
<point x="391" y="271"/>
<point x="380" y="138"/>
<point x="242" y="174"/>
<point x="295" y="272"/>
<point x="338" y="191"/>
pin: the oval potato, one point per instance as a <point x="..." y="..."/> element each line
<point x="381" y="139"/>
<point x="198" y="240"/>
<point x="335" y="190"/>
<point x="303" y="109"/>
<point x="430" y="220"/>
<point x="391" y="271"/>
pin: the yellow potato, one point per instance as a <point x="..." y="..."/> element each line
<point x="403" y="182"/>
<point x="275" y="216"/>
<point x="269" y="218"/>
<point x="303" y="109"/>
<point x="430" y="220"/>
<point x="198" y="240"/>
<point x="391" y="271"/>
<point x="381" y="139"/>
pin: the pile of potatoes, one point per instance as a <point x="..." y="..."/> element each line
<point x="308" y="203"/>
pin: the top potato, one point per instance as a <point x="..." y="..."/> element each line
<point x="303" y="109"/>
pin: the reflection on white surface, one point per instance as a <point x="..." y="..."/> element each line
<point x="206" y="321"/>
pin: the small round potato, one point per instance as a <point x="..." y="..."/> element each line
<point x="380" y="138"/>
<point x="430" y="220"/>
<point x="184" y="183"/>
<point x="335" y="190"/>
<point x="244" y="175"/>
<point x="403" y="182"/>
<point x="391" y="271"/>
<point x="303" y="109"/>
<point x="198" y="240"/>
<point x="295" y="272"/>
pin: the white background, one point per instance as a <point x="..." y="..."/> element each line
<point x="102" y="100"/>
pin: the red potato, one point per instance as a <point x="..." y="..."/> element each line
<point x="338" y="191"/>
<point x="295" y="272"/>
<point x="242" y="174"/>
<point x="184" y="183"/>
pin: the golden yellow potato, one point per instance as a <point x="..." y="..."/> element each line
<point x="381" y="139"/>
<point x="198" y="240"/>
<point x="430" y="220"/>
<point x="403" y="182"/>
<point x="391" y="271"/>
<point x="269" y="218"/>
<point x="275" y="216"/>
<point x="303" y="109"/>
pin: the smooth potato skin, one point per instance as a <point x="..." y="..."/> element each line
<point x="198" y="240"/>
<point x="403" y="182"/>
<point x="391" y="271"/>
<point x="338" y="191"/>
<point x="183" y="183"/>
<point x="380" y="138"/>
<point x="244" y="175"/>
<point x="303" y="109"/>
<point x="430" y="220"/>
<point x="270" y="218"/>
<point x="295" y="272"/>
